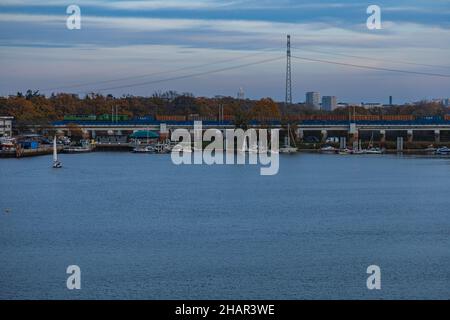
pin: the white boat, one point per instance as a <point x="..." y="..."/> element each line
<point x="328" y="149"/>
<point x="346" y="151"/>
<point x="182" y="148"/>
<point x="146" y="149"/>
<point x="76" y="149"/>
<point x="162" y="148"/>
<point x="288" y="149"/>
<point x="56" y="163"/>
<point x="430" y="149"/>
<point x="358" y="151"/>
<point x="7" y="144"/>
<point x="443" y="151"/>
<point x="373" y="151"/>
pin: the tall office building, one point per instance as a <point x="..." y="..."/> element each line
<point x="446" y="102"/>
<point x="313" y="99"/>
<point x="329" y="103"/>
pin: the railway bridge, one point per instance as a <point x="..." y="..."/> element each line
<point x="434" y="130"/>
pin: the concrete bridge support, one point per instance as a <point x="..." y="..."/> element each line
<point x="410" y="135"/>
<point x="300" y="134"/>
<point x="382" y="136"/>
<point x="324" y="135"/>
<point x="437" y="136"/>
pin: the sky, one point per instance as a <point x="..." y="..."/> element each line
<point x="211" y="47"/>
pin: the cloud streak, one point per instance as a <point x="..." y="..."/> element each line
<point x="126" y="37"/>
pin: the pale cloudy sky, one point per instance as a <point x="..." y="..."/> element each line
<point x="138" y="47"/>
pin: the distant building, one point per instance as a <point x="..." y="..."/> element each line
<point x="390" y="100"/>
<point x="313" y="99"/>
<point x="446" y="102"/>
<point x="329" y="103"/>
<point x="6" y="126"/>
<point x="241" y="94"/>
<point x="370" y="105"/>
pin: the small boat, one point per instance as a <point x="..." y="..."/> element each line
<point x="162" y="148"/>
<point x="77" y="149"/>
<point x="374" y="151"/>
<point x="328" y="149"/>
<point x="346" y="151"/>
<point x="443" y="151"/>
<point x="84" y="147"/>
<point x="288" y="149"/>
<point x="7" y="144"/>
<point x="358" y="151"/>
<point x="56" y="163"/>
<point x="146" y="149"/>
<point x="182" y="148"/>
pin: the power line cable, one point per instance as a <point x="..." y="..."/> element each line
<point x="371" y="58"/>
<point x="79" y="85"/>
<point x="191" y="75"/>
<point x="373" y="68"/>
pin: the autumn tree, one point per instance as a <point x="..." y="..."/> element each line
<point x="265" y="110"/>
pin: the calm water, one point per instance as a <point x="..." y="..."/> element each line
<point x="141" y="228"/>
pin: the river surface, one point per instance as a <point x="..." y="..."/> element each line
<point x="140" y="227"/>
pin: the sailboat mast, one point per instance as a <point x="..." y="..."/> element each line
<point x="289" y="135"/>
<point x="55" y="154"/>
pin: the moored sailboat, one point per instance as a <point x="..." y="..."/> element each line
<point x="56" y="163"/>
<point x="287" y="148"/>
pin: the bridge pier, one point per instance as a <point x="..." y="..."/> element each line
<point x="85" y="133"/>
<point x="324" y="135"/>
<point x="437" y="136"/>
<point x="382" y="136"/>
<point x="353" y="134"/>
<point x="410" y="134"/>
<point x="163" y="132"/>
<point x="300" y="134"/>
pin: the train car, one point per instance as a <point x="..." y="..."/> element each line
<point x="88" y="117"/>
<point x="111" y="118"/>
<point x="170" y="118"/>
<point x="397" y="117"/>
<point x="366" y="117"/>
<point x="429" y="118"/>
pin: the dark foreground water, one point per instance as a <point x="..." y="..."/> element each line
<point x="141" y="228"/>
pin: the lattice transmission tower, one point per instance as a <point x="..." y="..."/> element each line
<point x="288" y="99"/>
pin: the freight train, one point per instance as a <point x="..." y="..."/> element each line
<point x="93" y="117"/>
<point x="323" y="117"/>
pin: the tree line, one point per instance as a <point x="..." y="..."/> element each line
<point x="33" y="107"/>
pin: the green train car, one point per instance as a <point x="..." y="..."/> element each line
<point x="109" y="117"/>
<point x="88" y="117"/>
<point x="93" y="117"/>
